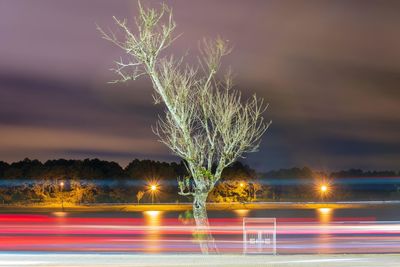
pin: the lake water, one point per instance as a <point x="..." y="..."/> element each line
<point x="369" y="229"/>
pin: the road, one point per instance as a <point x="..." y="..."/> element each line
<point x="353" y="236"/>
<point x="158" y="233"/>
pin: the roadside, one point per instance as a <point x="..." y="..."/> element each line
<point x="136" y="260"/>
<point x="185" y="206"/>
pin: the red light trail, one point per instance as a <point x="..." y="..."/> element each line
<point x="155" y="234"/>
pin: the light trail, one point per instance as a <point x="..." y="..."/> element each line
<point x="152" y="234"/>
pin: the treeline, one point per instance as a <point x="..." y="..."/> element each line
<point x="306" y="172"/>
<point x="88" y="169"/>
<point x="354" y="184"/>
<point x="97" y="181"/>
<point x="100" y="169"/>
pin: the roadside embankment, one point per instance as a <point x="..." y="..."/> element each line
<point x="186" y="206"/>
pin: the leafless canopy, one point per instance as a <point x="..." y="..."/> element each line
<point x="206" y="122"/>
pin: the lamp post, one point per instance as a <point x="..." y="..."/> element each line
<point x="62" y="195"/>
<point x="153" y="191"/>
<point x="323" y="190"/>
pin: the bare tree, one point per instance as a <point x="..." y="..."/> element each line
<point x="206" y="122"/>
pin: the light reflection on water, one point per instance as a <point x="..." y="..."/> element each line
<point x="60" y="214"/>
<point x="242" y="213"/>
<point x="325" y="216"/>
<point x="153" y="219"/>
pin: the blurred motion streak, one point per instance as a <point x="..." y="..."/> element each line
<point x="157" y="234"/>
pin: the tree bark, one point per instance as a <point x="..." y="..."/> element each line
<point x="203" y="234"/>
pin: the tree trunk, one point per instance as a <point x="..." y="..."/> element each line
<point x="203" y="234"/>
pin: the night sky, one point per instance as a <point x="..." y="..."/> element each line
<point x="329" y="69"/>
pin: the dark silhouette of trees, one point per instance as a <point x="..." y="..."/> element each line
<point x="23" y="169"/>
<point x="143" y="169"/>
<point x="304" y="172"/>
<point x="351" y="173"/>
<point x="3" y="167"/>
<point x="110" y="183"/>
<point x="86" y="169"/>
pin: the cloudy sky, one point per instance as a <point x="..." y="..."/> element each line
<point x="329" y="69"/>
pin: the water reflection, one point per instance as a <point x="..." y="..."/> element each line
<point x="325" y="216"/>
<point x="241" y="213"/>
<point x="153" y="214"/>
<point x="153" y="221"/>
<point x="60" y="214"/>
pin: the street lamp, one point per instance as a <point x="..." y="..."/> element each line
<point x="324" y="188"/>
<point x="153" y="191"/>
<point x="62" y="195"/>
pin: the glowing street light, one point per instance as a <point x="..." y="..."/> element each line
<point x="153" y="191"/>
<point x="324" y="188"/>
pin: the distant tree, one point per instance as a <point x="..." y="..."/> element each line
<point x="206" y="122"/>
<point x="24" y="169"/>
<point x="351" y="173"/>
<point x="73" y="192"/>
<point x="121" y="195"/>
<point x="61" y="168"/>
<point x="48" y="191"/>
<point x="6" y="195"/>
<point x="231" y="191"/>
<point x="154" y="171"/>
<point x="139" y="196"/>
<point x="79" y="192"/>
<point x="238" y="184"/>
<point x="86" y="169"/>
<point x="304" y="172"/>
<point x="149" y="169"/>
<point x="238" y="170"/>
<point x="259" y="189"/>
<point x="3" y="167"/>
